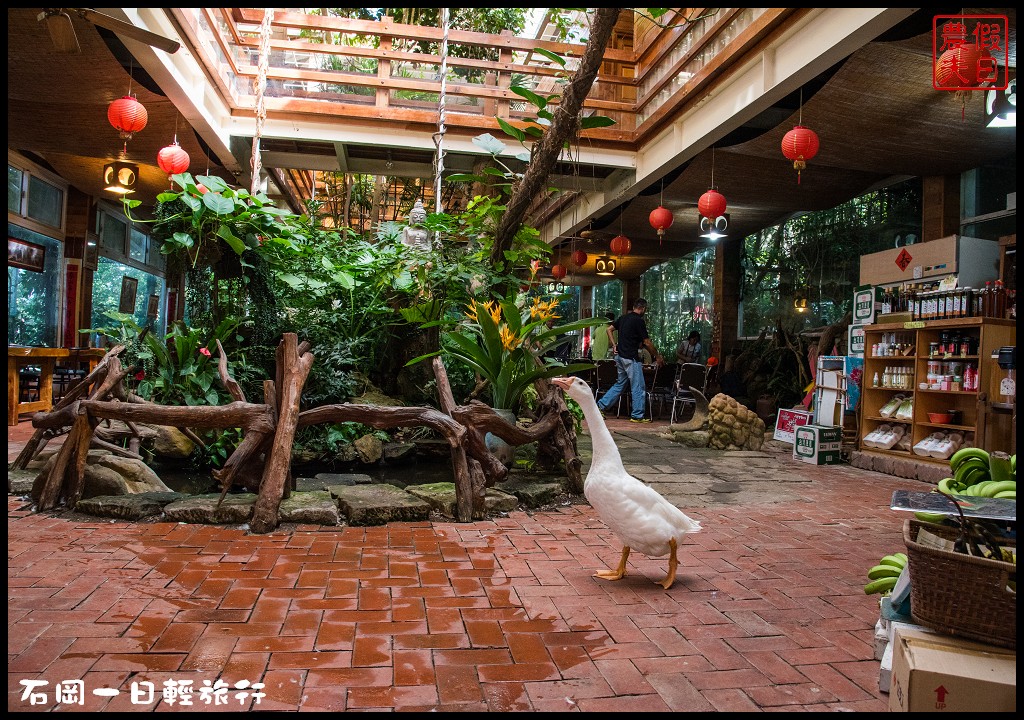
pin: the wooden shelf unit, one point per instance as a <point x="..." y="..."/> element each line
<point x="990" y="334"/>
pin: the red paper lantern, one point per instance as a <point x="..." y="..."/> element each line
<point x="661" y="219"/>
<point x="960" y="67"/>
<point x="127" y="115"/>
<point x="579" y="258"/>
<point x="800" y="145"/>
<point x="558" y="271"/>
<point x="172" y="159"/>
<point x="711" y="204"/>
<point x="621" y="245"/>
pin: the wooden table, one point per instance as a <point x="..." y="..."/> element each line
<point x="92" y="356"/>
<point x="45" y="359"/>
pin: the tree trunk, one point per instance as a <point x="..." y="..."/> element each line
<point x="562" y="129"/>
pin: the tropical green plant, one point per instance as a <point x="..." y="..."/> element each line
<point x="504" y="342"/>
<point x="177" y="370"/>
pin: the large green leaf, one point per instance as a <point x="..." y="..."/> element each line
<point x="489" y="144"/>
<point x="224" y="233"/>
<point x="511" y="130"/>
<point x="595" y="121"/>
<point x="550" y="56"/>
<point x="218" y="204"/>
<point x="539" y="102"/>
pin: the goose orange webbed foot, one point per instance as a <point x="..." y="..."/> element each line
<point x="619" y="572"/>
<point x="673" y="563"/>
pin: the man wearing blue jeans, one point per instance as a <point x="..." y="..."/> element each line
<point x="632" y="335"/>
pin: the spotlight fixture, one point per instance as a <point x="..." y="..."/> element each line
<point x="605" y="265"/>
<point x="120" y="177"/>
<point x="713" y="229"/>
<point x="1001" y="106"/>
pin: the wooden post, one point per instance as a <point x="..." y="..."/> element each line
<point x="466" y="502"/>
<point x="293" y="369"/>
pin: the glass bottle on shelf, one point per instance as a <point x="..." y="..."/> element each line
<point x="999" y="300"/>
<point x="986" y="299"/>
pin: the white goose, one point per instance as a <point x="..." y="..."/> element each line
<point x="641" y="518"/>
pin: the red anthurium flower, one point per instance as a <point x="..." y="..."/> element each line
<point x="204" y="351"/>
<point x="140" y="375"/>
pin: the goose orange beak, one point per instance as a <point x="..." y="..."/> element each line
<point x="562" y="382"/>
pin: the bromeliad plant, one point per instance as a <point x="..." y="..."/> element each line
<point x="505" y="342"/>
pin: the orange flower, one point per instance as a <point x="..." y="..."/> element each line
<point x="509" y="340"/>
<point x="471" y="312"/>
<point x="495" y="310"/>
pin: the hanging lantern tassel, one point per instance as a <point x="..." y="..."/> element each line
<point x="800" y="145"/>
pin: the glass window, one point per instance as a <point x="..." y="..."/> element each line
<point x="33" y="298"/>
<point x="45" y="202"/>
<point x="145" y="298"/>
<point x="112" y="233"/>
<point x="608" y="298"/>
<point x="15" y="177"/>
<point x="680" y="296"/>
<point x="139" y="245"/>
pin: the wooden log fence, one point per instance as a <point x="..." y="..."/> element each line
<point x="261" y="461"/>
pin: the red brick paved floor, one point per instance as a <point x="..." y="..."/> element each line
<point x="767" y="612"/>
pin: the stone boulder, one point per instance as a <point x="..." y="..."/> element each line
<point x="108" y="474"/>
<point x="369" y="448"/>
<point x="171" y="443"/>
<point x="128" y="507"/>
<point x="202" y="509"/>
<point x="378" y="504"/>
<point x="731" y="426"/>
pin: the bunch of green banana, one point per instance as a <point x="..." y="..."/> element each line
<point x="981" y="474"/>
<point x="883" y="576"/>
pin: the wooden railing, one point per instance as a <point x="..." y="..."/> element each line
<point x="382" y="70"/>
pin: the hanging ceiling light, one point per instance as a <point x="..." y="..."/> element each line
<point x="579" y="258"/>
<point x="605" y="265"/>
<point x="120" y="177"/>
<point x="558" y="272"/>
<point x="555" y="288"/>
<point x="714" y="229"/>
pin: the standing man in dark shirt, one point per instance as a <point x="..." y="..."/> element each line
<point x="632" y="334"/>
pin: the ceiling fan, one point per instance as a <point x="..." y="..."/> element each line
<point x="62" y="31"/>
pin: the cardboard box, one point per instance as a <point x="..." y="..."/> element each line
<point x="932" y="672"/>
<point x="867" y="304"/>
<point x="973" y="260"/>
<point x="818" y="445"/>
<point x="855" y="341"/>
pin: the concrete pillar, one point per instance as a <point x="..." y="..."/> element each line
<point x="728" y="275"/>
<point x="940" y="207"/>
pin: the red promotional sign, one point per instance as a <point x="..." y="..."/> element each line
<point x="787" y="422"/>
<point x="970" y="52"/>
<point x="903" y="260"/>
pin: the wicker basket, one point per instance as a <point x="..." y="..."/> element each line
<point x="959" y="594"/>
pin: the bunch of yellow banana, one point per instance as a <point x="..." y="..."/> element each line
<point x="883" y="576"/>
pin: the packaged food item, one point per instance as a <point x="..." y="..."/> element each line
<point x="905" y="411"/>
<point x="890" y="407"/>
<point x="924" y="447"/>
<point x="944" y="448"/>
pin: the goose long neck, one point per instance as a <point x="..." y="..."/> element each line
<point x="604" y="448"/>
